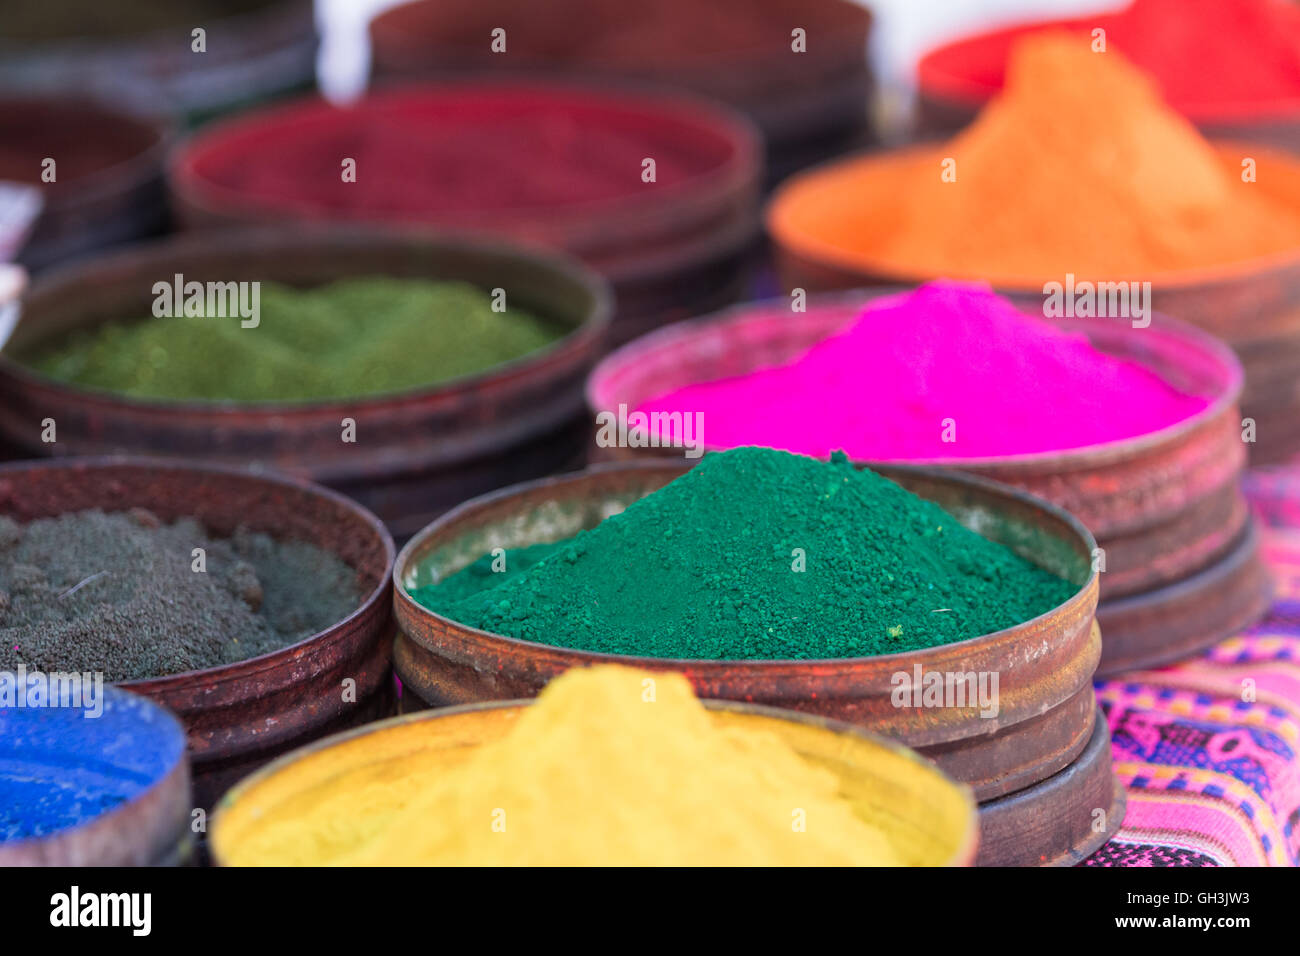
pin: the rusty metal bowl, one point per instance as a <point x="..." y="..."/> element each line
<point x="1162" y="505"/>
<point x="146" y="785"/>
<point x="807" y="106"/>
<point x="1252" y="306"/>
<point x="109" y="185"/>
<point x="259" y="49"/>
<point x="240" y="715"/>
<point x="939" y="117"/>
<point x="1059" y="821"/>
<point x="931" y="818"/>
<point x="417" y="453"/>
<point x="1045" y="666"/>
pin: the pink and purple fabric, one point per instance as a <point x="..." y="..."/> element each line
<point x="1210" y="749"/>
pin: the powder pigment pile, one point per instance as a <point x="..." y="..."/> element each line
<point x="345" y="339"/>
<point x="757" y="554"/>
<point x="121" y="594"/>
<point x="1078" y="166"/>
<point x="611" y="766"/>
<point x="882" y="388"/>
<point x="1246" y="55"/>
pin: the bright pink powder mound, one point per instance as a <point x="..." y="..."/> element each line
<point x="881" y="388"/>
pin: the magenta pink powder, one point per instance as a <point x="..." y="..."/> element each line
<point x="881" y="388"/>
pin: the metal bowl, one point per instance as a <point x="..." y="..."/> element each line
<point x="418" y="452"/>
<point x="1045" y="666"/>
<point x="46" y="747"/>
<point x="266" y="49"/>
<point x="109" y="185"/>
<point x="240" y="715"/>
<point x="932" y="820"/>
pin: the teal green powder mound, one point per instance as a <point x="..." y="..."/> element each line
<point x="348" y="338"/>
<point x="705" y="569"/>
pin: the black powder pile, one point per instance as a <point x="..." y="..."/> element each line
<point x="118" y="593"/>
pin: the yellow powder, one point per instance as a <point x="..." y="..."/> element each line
<point x="611" y="766"/>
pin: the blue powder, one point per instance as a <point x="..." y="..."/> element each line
<point x="60" y="767"/>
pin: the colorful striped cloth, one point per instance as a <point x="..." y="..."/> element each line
<point x="1214" y="779"/>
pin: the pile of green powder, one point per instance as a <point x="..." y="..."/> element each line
<point x="704" y="569"/>
<point x="118" y="593"/>
<point x="349" y="338"/>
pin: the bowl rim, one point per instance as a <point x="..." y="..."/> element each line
<point x="118" y="178"/>
<point x="275" y="14"/>
<point x="868" y="270"/>
<point x="742" y="169"/>
<point x="405" y="605"/>
<point x="179" y="768"/>
<point x="966" y="845"/>
<point x="678" y="334"/>
<point x="235" y="671"/>
<point x="586" y="333"/>
<point x="844" y="15"/>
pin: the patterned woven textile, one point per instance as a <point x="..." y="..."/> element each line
<point x="1210" y="750"/>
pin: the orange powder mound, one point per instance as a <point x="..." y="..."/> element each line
<point x="1078" y="166"/>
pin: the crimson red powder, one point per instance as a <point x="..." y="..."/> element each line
<point x="1214" y="59"/>
<point x="947" y="371"/>
<point x="453" y="156"/>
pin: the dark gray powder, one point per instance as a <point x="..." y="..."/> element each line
<point x="118" y="593"/>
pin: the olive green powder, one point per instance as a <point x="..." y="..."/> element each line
<point x="349" y="338"/>
<point x="757" y="554"/>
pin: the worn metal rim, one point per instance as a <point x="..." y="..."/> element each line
<point x="122" y="176"/>
<point x="407" y="555"/>
<point x="964" y="854"/>
<point x="213" y="677"/>
<point x="864" y="270"/>
<point x="167" y="798"/>
<point x="853" y="19"/>
<point x="1009" y="836"/>
<point x="737" y="176"/>
<point x="590" y="331"/>
<point x="1037" y="730"/>
<point x="1084" y="456"/>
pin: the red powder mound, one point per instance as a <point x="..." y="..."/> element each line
<point x="1213" y="59"/>
<point x="451" y="154"/>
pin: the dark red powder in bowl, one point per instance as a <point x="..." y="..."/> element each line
<point x="1218" y="60"/>
<point x="87" y="141"/>
<point x="468" y="156"/>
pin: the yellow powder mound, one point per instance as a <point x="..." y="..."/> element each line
<point x="611" y="766"/>
<point x="1078" y="166"/>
